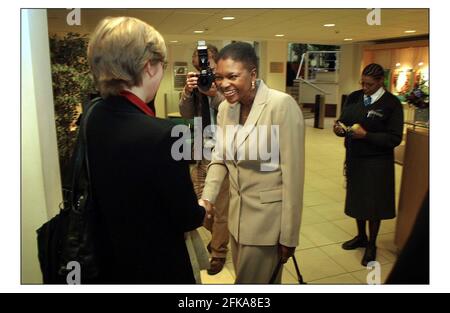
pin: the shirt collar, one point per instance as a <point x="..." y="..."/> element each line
<point x="377" y="95"/>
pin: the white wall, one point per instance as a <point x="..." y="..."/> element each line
<point x="273" y="51"/>
<point x="349" y="72"/>
<point x="41" y="186"/>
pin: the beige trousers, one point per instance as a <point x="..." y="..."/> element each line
<point x="254" y="264"/>
<point x="218" y="226"/>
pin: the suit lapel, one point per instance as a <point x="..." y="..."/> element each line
<point x="255" y="113"/>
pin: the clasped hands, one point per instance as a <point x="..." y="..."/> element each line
<point x="209" y="208"/>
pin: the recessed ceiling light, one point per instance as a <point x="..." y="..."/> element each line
<point x="348" y="39"/>
<point x="410" y="31"/>
<point x="228" y="18"/>
<point x="329" y="25"/>
<point x="198" y="31"/>
<point x="279" y="35"/>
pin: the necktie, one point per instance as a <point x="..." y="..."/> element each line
<point x="367" y="101"/>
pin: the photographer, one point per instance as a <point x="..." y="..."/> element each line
<point x="205" y="103"/>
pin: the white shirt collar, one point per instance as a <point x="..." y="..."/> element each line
<point x="377" y="95"/>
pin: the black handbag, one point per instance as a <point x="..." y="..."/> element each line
<point x="277" y="270"/>
<point x="70" y="235"/>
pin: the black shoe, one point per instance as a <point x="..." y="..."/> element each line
<point x="370" y="255"/>
<point x="216" y="265"/>
<point x="354" y="243"/>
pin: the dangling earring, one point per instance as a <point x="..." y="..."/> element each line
<point x="253" y="85"/>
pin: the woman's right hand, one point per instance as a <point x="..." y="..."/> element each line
<point x="191" y="82"/>
<point x="209" y="208"/>
<point x="338" y="130"/>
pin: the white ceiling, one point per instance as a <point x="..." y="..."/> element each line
<point x="298" y="25"/>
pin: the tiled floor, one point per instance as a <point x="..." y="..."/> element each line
<point x="324" y="224"/>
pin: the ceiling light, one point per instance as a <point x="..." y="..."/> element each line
<point x="329" y="25"/>
<point x="228" y="18"/>
<point x="410" y="31"/>
<point x="174" y="41"/>
<point x="348" y="39"/>
<point x="279" y="35"/>
<point x="198" y="31"/>
<point x="397" y="65"/>
<point x="420" y="63"/>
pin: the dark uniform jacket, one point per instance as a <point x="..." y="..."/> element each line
<point x="145" y="198"/>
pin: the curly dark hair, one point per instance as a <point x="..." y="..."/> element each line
<point x="242" y="52"/>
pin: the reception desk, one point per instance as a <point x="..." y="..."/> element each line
<point x="415" y="182"/>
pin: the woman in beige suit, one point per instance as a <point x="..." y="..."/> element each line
<point x="260" y="144"/>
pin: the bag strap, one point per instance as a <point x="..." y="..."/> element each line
<point x="84" y="137"/>
<point x="277" y="270"/>
<point x="299" y="275"/>
<point x="81" y="157"/>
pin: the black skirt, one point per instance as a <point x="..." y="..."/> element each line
<point x="370" y="188"/>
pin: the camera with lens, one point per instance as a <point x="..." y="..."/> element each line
<point x="206" y="76"/>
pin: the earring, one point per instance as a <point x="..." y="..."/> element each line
<point x="253" y="84"/>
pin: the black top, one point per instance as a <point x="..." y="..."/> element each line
<point x="383" y="121"/>
<point x="145" y="198"/>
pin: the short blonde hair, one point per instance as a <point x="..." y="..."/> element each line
<point x="119" y="49"/>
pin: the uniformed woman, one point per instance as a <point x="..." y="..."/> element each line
<point x="372" y="123"/>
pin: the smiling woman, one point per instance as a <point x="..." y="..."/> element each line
<point x="265" y="201"/>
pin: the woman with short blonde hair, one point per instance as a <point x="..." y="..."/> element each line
<point x="144" y="198"/>
<point x="118" y="51"/>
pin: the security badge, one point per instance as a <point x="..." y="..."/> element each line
<point x="375" y="113"/>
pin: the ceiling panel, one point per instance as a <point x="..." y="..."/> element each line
<point x="300" y="25"/>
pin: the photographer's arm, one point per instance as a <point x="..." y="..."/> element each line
<point x="187" y="109"/>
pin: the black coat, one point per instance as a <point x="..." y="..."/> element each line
<point x="384" y="127"/>
<point x="370" y="161"/>
<point x="145" y="198"/>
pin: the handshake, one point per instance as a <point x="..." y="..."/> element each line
<point x="209" y="208"/>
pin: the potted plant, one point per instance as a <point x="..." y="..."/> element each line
<point x="72" y="84"/>
<point x="419" y="98"/>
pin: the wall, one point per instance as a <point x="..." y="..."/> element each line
<point x="408" y="54"/>
<point x="273" y="51"/>
<point x="349" y="70"/>
<point x="40" y="181"/>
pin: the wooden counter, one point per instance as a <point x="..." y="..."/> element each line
<point x="415" y="182"/>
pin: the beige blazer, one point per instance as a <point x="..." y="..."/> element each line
<point x="265" y="206"/>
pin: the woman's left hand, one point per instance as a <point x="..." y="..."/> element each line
<point x="358" y="132"/>
<point x="285" y="252"/>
